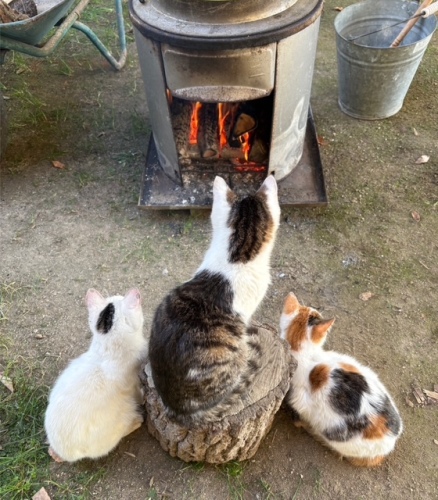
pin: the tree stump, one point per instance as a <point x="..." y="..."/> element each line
<point x="238" y="435"/>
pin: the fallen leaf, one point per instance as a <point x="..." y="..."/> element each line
<point x="365" y="296"/>
<point x="58" y="164"/>
<point x="41" y="495"/>
<point x="415" y="131"/>
<point x="435" y="441"/>
<point x="339" y="9"/>
<point x="409" y="402"/>
<point x="416" y="216"/>
<point x="322" y="141"/>
<point x="422" y="159"/>
<point x="7" y="382"/>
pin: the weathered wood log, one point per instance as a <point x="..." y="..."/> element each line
<point x="239" y="434"/>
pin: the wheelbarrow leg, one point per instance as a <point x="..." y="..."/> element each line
<point x="117" y="64"/>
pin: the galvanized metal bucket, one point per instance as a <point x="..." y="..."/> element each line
<point x="373" y="78"/>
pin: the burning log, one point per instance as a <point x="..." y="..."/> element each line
<point x="239" y="434"/>
<point x="245" y="123"/>
<point x="181" y="117"/>
<point x="259" y="151"/>
<point x="209" y="132"/>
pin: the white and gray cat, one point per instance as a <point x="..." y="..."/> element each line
<point x="95" y="401"/>
<point x="203" y="352"/>
<point x="337" y="399"/>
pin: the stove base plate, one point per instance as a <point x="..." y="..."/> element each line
<point x="303" y="187"/>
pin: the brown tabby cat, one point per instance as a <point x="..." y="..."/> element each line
<point x="203" y="354"/>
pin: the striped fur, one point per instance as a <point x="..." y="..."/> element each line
<point x="341" y="402"/>
<point x="203" y="352"/>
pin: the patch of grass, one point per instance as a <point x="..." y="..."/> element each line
<point x="8" y="290"/>
<point x="23" y="458"/>
<point x="84" y="178"/>
<point x="140" y="125"/>
<point x="269" y="494"/>
<point x="24" y="461"/>
<point x="233" y="471"/>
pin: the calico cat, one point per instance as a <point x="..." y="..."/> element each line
<point x="338" y="400"/>
<point x="203" y="353"/>
<point x="94" y="402"/>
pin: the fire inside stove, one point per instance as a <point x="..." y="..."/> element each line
<point x="231" y="136"/>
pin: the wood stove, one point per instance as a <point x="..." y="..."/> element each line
<point x="228" y="87"/>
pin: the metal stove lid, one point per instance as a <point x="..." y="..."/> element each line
<point x="220" y="11"/>
<point x="153" y="21"/>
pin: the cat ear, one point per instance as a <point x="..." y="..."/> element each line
<point x="220" y="188"/>
<point x="94" y="299"/>
<point x="132" y="299"/>
<point x="269" y="185"/>
<point x="291" y="304"/>
<point x="320" y="331"/>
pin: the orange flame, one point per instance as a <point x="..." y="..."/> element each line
<point x="224" y="112"/>
<point x="194" y="122"/>
<point x="246" y="144"/>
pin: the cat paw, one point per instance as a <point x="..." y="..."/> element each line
<point x="54" y="455"/>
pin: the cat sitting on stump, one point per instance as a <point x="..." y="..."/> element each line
<point x="202" y="354"/>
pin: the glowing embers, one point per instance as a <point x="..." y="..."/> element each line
<point x="235" y="133"/>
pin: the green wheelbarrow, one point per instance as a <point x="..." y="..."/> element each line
<point x="27" y="36"/>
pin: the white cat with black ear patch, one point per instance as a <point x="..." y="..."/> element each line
<point x="95" y="401"/>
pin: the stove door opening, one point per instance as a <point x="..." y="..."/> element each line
<point x="223" y="136"/>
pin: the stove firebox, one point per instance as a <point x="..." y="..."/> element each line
<point x="228" y="87"/>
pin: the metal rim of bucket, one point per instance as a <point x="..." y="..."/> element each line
<point x="359" y="5"/>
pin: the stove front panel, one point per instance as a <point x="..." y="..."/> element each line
<point x="220" y="76"/>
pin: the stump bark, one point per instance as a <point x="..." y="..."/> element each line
<point x="239" y="434"/>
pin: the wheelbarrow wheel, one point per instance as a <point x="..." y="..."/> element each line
<point x="3" y="125"/>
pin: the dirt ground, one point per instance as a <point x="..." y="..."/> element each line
<point x="66" y="230"/>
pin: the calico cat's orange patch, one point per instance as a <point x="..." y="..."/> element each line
<point x="290" y="304"/>
<point x="377" y="429"/>
<point x="349" y="368"/>
<point x="320" y="331"/>
<point x="319" y="377"/>
<point x="297" y="331"/>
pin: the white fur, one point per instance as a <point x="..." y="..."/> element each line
<point x="94" y="402"/>
<point x="314" y="407"/>
<point x="249" y="281"/>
